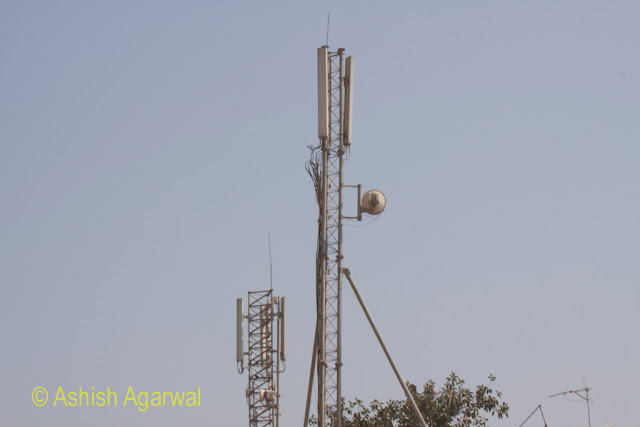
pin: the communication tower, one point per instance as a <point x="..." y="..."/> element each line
<point x="265" y="356"/>
<point x="326" y="167"/>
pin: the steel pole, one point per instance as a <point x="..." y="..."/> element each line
<point x="322" y="291"/>
<point x="588" y="410"/>
<point x="278" y="326"/>
<point x="339" y="255"/>
<point x="311" y="375"/>
<point x="412" y="402"/>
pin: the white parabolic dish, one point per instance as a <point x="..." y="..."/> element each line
<point x="373" y="202"/>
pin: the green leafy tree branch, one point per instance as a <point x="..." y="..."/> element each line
<point x="453" y="406"/>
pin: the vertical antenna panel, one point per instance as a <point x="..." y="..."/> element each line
<point x="348" y="100"/>
<point x="239" y="331"/>
<point x="323" y="92"/>
<point x="283" y="329"/>
<point x="265" y="348"/>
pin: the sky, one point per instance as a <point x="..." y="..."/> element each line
<point x="147" y="148"/>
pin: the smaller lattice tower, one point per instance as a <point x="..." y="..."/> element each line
<point x="265" y="356"/>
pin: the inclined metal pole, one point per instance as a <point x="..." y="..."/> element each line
<point x="416" y="411"/>
<point x="531" y="415"/>
<point x="314" y="354"/>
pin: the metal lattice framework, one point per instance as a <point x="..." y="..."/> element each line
<point x="262" y="410"/>
<point x="325" y="166"/>
<point x="333" y="290"/>
<point x="329" y="260"/>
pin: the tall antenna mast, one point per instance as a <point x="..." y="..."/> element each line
<point x="331" y="91"/>
<point x="326" y="167"/>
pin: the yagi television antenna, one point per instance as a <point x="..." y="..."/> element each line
<point x="583" y="393"/>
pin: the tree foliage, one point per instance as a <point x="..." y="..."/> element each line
<point x="453" y="406"/>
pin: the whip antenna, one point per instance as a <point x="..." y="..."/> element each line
<point x="270" y="265"/>
<point x="328" y="17"/>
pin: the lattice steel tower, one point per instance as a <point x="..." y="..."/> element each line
<point x="263" y="360"/>
<point x="326" y="169"/>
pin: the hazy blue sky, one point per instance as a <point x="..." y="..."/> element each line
<point x="147" y="147"/>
